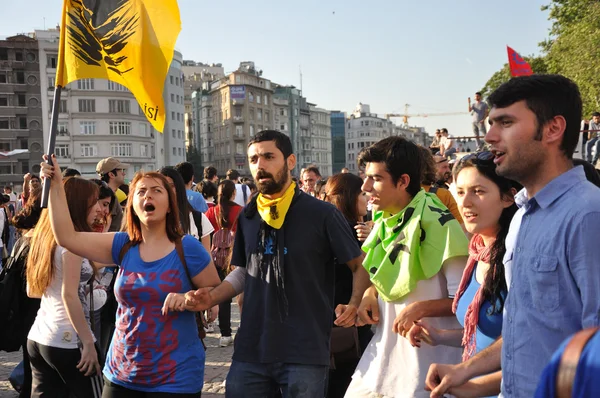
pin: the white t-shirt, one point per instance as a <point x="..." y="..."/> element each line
<point x="239" y="194"/>
<point x="390" y="365"/>
<point x="207" y="227"/>
<point x="52" y="326"/>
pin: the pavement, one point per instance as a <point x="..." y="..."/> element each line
<point x="218" y="360"/>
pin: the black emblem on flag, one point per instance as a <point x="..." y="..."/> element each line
<point x="100" y="30"/>
<point x="445" y="215"/>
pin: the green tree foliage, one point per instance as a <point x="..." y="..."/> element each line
<point x="193" y="156"/>
<point x="572" y="49"/>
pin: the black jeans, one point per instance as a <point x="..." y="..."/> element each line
<point x="55" y="374"/>
<point x="224" y="312"/>
<point x="112" y="390"/>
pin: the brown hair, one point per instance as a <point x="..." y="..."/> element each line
<point x="134" y="228"/>
<point x="428" y="166"/>
<point x="28" y="217"/>
<point x="342" y="191"/>
<point x="81" y="196"/>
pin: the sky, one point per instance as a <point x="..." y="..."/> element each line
<point x="431" y="54"/>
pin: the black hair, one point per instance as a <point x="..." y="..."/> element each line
<point x="207" y="188"/>
<point x="105" y="192"/>
<point x="251" y="185"/>
<point x="591" y="173"/>
<point x="595" y="114"/>
<point x="547" y="96"/>
<point x="210" y="172"/>
<point x="233" y="175"/>
<point x="226" y="190"/>
<point x="106" y="177"/>
<point x="478" y="93"/>
<point x="69" y="172"/>
<point x="494" y="285"/>
<point x="313" y="169"/>
<point x="400" y="156"/>
<point x="34" y="177"/>
<point x="186" y="170"/>
<point x="282" y="141"/>
<point x="8" y="187"/>
<point x="181" y="196"/>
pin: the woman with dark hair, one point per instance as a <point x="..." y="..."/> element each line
<point x="224" y="217"/>
<point x="61" y="344"/>
<point x="208" y="190"/>
<point x="487" y="205"/>
<point x="153" y="352"/>
<point x="344" y="192"/>
<point x="107" y="200"/>
<point x="25" y="221"/>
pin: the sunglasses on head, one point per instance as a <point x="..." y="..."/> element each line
<point x="486" y="157"/>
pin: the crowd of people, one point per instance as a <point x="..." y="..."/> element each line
<point x="429" y="274"/>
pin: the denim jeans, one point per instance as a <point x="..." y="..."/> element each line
<point x="479" y="128"/>
<point x="259" y="380"/>
<point x="589" y="145"/>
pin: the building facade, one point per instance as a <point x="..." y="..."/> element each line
<point x="338" y="141"/>
<point x="99" y="118"/>
<point x="317" y="149"/>
<point x="242" y="105"/>
<point x="20" y="109"/>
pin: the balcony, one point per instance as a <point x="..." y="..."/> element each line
<point x="237" y="102"/>
<point x="239" y="137"/>
<point x="238" y="119"/>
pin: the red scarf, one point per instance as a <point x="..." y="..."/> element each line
<point x="477" y="252"/>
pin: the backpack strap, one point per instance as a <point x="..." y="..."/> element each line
<point x="179" y="248"/>
<point x="569" y="361"/>
<point x="124" y="250"/>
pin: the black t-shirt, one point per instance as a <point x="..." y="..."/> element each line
<point x="316" y="236"/>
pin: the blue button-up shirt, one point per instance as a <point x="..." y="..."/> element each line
<point x="553" y="275"/>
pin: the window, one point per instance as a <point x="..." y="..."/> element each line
<point x="118" y="106"/>
<point x="87" y="105"/>
<point x="61" y="151"/>
<point x="177" y="81"/>
<point x="173" y="132"/>
<point x="116" y="86"/>
<point x="89" y="150"/>
<point x="144" y="150"/>
<point x="85" y="84"/>
<point x="251" y="130"/>
<point x="172" y="115"/>
<point x="88" y="128"/>
<point x="51" y="81"/>
<point x="52" y="61"/>
<point x="62" y="108"/>
<point x="18" y="56"/>
<point x="174" y="151"/>
<point x="239" y="148"/>
<point x="179" y="150"/>
<point x="178" y="117"/>
<point x="21" y="100"/>
<point x="23" y="123"/>
<point x="4" y="124"/>
<point x="266" y="116"/>
<point x="4" y="57"/>
<point x="172" y="97"/>
<point x="3" y="101"/>
<point x="258" y="99"/>
<point x="172" y="79"/>
<point x="251" y="96"/>
<point x="295" y="111"/>
<point x="178" y="133"/>
<point x="259" y="114"/>
<point x="20" y="77"/>
<point x="266" y="100"/>
<point x="63" y="128"/>
<point x="3" y="77"/>
<point x="119" y="128"/>
<point x="120" y="150"/>
<point x="143" y="129"/>
<point x="239" y="131"/>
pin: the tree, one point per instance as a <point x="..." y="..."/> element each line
<point x="194" y="157"/>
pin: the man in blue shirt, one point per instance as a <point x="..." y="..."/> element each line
<point x="186" y="169"/>
<point x="551" y="248"/>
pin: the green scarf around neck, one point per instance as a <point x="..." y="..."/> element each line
<point x="412" y="245"/>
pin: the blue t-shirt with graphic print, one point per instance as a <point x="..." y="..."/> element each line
<point x="149" y="351"/>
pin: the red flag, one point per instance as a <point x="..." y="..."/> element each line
<point x="518" y="66"/>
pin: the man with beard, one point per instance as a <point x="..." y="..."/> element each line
<point x="288" y="243"/>
<point x="443" y="171"/>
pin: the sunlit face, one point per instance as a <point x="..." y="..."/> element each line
<point x="120" y="176"/>
<point x="104" y="206"/>
<point x="443" y="170"/>
<point x="95" y="213"/>
<point x="361" y="204"/>
<point x="310" y="180"/>
<point x="512" y="135"/>
<point x="480" y="202"/>
<point x="379" y="184"/>
<point x="34" y="183"/>
<point x="477" y="97"/>
<point x="151" y="200"/>
<point x="596" y="119"/>
<point x="269" y="168"/>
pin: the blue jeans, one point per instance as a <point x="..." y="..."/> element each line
<point x="259" y="380"/>
<point x="479" y="128"/>
<point x="591" y="143"/>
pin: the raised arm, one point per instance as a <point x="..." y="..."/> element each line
<point x="91" y="245"/>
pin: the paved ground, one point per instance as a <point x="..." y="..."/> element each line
<point x="217" y="364"/>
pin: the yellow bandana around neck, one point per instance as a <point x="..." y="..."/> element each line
<point x="273" y="211"/>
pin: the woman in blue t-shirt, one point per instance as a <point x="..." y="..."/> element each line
<point x="155" y="349"/>
<point x="486" y="203"/>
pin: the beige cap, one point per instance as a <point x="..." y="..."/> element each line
<point x="109" y="164"/>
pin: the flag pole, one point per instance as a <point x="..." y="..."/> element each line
<point x="56" y="103"/>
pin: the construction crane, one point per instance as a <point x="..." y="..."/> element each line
<point x="406" y="115"/>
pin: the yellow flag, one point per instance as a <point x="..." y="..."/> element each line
<point x="130" y="42"/>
